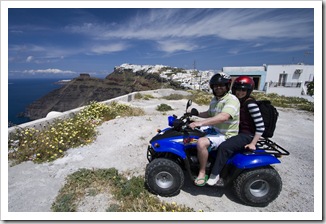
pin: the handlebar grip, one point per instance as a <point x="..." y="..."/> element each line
<point x="194" y="112"/>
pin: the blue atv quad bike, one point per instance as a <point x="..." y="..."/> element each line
<point x="173" y="150"/>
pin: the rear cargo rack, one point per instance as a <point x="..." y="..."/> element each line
<point x="271" y="147"/>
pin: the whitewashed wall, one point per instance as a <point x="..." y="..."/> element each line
<point x="273" y="72"/>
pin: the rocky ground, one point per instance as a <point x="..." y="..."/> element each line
<point x="122" y="143"/>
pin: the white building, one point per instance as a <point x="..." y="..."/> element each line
<point x="287" y="80"/>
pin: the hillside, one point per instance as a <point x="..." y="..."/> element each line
<point x="84" y="89"/>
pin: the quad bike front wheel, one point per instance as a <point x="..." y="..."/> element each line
<point x="164" y="177"/>
<point x="258" y="187"/>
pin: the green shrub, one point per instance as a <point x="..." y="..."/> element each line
<point x="175" y="97"/>
<point x="286" y="102"/>
<point x="138" y="96"/>
<point x="147" y="97"/>
<point x="51" y="143"/>
<point x="200" y="97"/>
<point x="310" y="89"/>
<point x="128" y="195"/>
<point x="144" y="97"/>
<point x="164" y="107"/>
<point x="204" y="98"/>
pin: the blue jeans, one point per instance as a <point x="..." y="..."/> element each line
<point x="227" y="148"/>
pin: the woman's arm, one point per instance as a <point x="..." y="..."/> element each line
<point x="259" y="124"/>
<point x="252" y="144"/>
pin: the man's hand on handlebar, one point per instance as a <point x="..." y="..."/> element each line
<point x="195" y="124"/>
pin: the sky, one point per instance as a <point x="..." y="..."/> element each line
<point x="60" y="39"/>
<point x="64" y="42"/>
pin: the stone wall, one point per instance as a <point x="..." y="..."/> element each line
<point x="54" y="115"/>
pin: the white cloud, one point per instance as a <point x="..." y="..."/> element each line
<point x="258" y="45"/>
<point x="49" y="70"/>
<point x="16" y="31"/>
<point x="174" y="30"/>
<point x="234" y="51"/>
<point x="160" y="25"/>
<point x="233" y="24"/>
<point x="109" y="48"/>
<point x="288" y="49"/>
<point x="42" y="54"/>
<point x="171" y="46"/>
<point x="29" y="58"/>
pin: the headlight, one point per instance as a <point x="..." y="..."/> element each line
<point x="171" y="119"/>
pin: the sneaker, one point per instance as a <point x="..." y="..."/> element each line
<point x="213" y="179"/>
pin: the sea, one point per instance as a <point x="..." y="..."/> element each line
<point x="22" y="92"/>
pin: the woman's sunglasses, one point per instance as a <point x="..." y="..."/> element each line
<point x="240" y="89"/>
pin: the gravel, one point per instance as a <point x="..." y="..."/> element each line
<point x="122" y="143"/>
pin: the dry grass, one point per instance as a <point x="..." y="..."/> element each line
<point x="129" y="195"/>
<point x="51" y="143"/>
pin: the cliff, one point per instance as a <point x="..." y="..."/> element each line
<point x="83" y="89"/>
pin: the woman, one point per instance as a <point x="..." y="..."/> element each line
<point x="250" y="129"/>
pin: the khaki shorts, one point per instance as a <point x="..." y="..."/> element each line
<point x="214" y="136"/>
<point x="215" y="140"/>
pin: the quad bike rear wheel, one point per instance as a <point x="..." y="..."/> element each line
<point x="258" y="187"/>
<point x="164" y="177"/>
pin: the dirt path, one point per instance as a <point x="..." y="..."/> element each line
<point x="122" y="144"/>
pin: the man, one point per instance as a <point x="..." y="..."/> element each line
<point x="222" y="115"/>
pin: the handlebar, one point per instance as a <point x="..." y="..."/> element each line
<point x="185" y="119"/>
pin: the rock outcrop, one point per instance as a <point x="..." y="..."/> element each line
<point x="84" y="89"/>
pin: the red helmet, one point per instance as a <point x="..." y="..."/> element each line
<point x="243" y="82"/>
